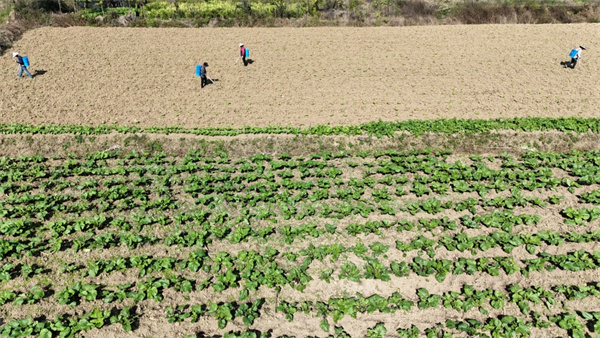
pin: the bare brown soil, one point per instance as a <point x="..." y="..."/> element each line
<point x="300" y="77"/>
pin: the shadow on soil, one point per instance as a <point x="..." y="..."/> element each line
<point x="39" y="72"/>
<point x="567" y="64"/>
<point x="258" y="334"/>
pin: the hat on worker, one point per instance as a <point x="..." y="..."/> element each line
<point x="15" y="54"/>
<point x="241" y="44"/>
<point x="582" y="47"/>
<point x="206" y="64"/>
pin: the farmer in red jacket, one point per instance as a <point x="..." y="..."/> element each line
<point x="243" y="54"/>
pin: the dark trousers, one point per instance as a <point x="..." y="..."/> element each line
<point x="572" y="63"/>
<point x="244" y="59"/>
<point x="203" y="81"/>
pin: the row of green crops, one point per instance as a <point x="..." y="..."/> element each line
<point x="233" y="241"/>
<point x="379" y="129"/>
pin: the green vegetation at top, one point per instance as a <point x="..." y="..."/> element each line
<point x="378" y="129"/>
<point x="188" y="13"/>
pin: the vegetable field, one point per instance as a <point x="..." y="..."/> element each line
<point x="367" y="244"/>
<point x="349" y="182"/>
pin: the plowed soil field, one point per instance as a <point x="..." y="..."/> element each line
<point x="301" y="77"/>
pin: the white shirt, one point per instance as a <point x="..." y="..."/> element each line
<point x="578" y="55"/>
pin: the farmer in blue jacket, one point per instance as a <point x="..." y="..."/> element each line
<point x="203" y="80"/>
<point x="21" y="64"/>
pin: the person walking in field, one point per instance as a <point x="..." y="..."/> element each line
<point x="203" y="78"/>
<point x="243" y="54"/>
<point x="21" y="63"/>
<point x="575" y="56"/>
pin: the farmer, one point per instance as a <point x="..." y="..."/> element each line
<point x="243" y="54"/>
<point x="21" y="64"/>
<point x="203" y="80"/>
<point x="575" y="57"/>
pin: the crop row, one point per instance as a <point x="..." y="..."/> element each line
<point x="251" y="269"/>
<point x="272" y="205"/>
<point x="468" y="298"/>
<point x="337" y="308"/>
<point x="241" y="231"/>
<point x="69" y="326"/>
<point x="432" y="163"/>
<point x="460" y="242"/>
<point x="431" y="174"/>
<point x="42" y="210"/>
<point x="380" y="128"/>
<point x="440" y="182"/>
<point x="349" y="198"/>
<point x="508" y="326"/>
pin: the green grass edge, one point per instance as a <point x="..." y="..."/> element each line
<point x="376" y="128"/>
